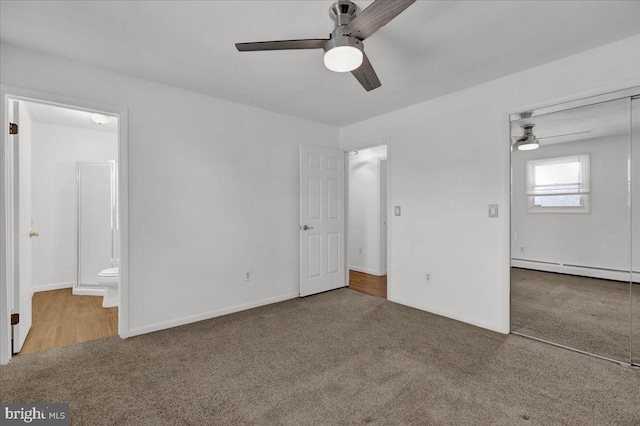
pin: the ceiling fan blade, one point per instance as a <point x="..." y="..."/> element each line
<point x="374" y="17"/>
<point x="366" y="75"/>
<point x="310" y="43"/>
<point x="566" y="134"/>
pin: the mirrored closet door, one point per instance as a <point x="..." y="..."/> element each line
<point x="635" y="230"/>
<point x="572" y="226"/>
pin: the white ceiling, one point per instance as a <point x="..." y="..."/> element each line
<point x="51" y="114"/>
<point x="433" y="48"/>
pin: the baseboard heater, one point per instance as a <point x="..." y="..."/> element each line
<point x="580" y="270"/>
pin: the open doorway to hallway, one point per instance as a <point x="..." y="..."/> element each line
<point x="367" y="236"/>
<point x="66" y="226"/>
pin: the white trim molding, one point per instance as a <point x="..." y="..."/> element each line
<point x="53" y="286"/>
<point x="366" y="271"/>
<point x="212" y="314"/>
<point x="580" y="270"/>
<point x="88" y="291"/>
<point x="462" y="318"/>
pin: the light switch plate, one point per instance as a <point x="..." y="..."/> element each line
<point x="493" y="210"/>
<point x="398" y="211"/>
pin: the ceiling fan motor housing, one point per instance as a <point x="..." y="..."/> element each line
<point x="342" y="12"/>
<point x="338" y="39"/>
<point x="528" y="129"/>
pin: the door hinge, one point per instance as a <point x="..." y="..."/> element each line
<point x="15" y="318"/>
<point x="13" y="129"/>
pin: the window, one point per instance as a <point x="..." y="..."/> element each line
<point x="558" y="185"/>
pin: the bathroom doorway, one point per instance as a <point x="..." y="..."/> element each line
<point x="367" y="220"/>
<point x="65" y="224"/>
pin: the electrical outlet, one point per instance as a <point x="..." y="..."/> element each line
<point x="427" y="277"/>
<point x="247" y="276"/>
<point x="521" y="249"/>
<point x="360" y="250"/>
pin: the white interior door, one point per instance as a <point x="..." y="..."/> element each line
<point x="23" y="285"/>
<point x="321" y="219"/>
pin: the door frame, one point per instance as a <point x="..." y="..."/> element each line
<point x="8" y="205"/>
<point x="358" y="147"/>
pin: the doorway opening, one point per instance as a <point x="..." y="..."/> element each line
<point x="63" y="221"/>
<point x="367" y="220"/>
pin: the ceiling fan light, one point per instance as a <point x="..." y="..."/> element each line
<point x="343" y="58"/>
<point x="99" y="118"/>
<point x="529" y="145"/>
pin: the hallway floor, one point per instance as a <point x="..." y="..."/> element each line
<point x="61" y="319"/>
<point x="368" y="284"/>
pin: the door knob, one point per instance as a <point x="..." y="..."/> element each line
<point x="33" y="234"/>
<point x="307" y="227"/>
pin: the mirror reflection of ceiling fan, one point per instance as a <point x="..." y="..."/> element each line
<point x="529" y="141"/>
<point x="344" y="49"/>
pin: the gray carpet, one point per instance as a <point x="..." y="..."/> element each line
<point x="584" y="313"/>
<point x="340" y="357"/>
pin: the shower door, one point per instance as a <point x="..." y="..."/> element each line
<point x="96" y="220"/>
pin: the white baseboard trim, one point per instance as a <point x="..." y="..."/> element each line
<point x="584" y="271"/>
<point x="53" y="286"/>
<point x="461" y="318"/>
<point x="208" y="315"/>
<point x="84" y="291"/>
<point x="366" y="271"/>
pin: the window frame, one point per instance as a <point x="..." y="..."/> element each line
<point x="584" y="191"/>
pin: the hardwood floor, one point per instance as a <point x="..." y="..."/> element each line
<point x="61" y="319"/>
<point x="369" y="284"/>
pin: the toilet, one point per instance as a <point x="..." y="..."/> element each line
<point x="109" y="279"/>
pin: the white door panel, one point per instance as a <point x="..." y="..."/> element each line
<point x="322" y="213"/>
<point x="23" y="290"/>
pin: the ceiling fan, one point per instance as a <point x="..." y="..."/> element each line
<point x="344" y="50"/>
<point x="529" y="141"/>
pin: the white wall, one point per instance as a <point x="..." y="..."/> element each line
<point x="599" y="239"/>
<point x="364" y="215"/>
<point x="449" y="159"/>
<point x="55" y="152"/>
<point x="214" y="191"/>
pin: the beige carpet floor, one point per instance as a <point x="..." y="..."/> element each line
<point x="336" y="358"/>
<point x="589" y="314"/>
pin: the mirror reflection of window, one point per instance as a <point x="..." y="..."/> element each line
<point x="559" y="185"/>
